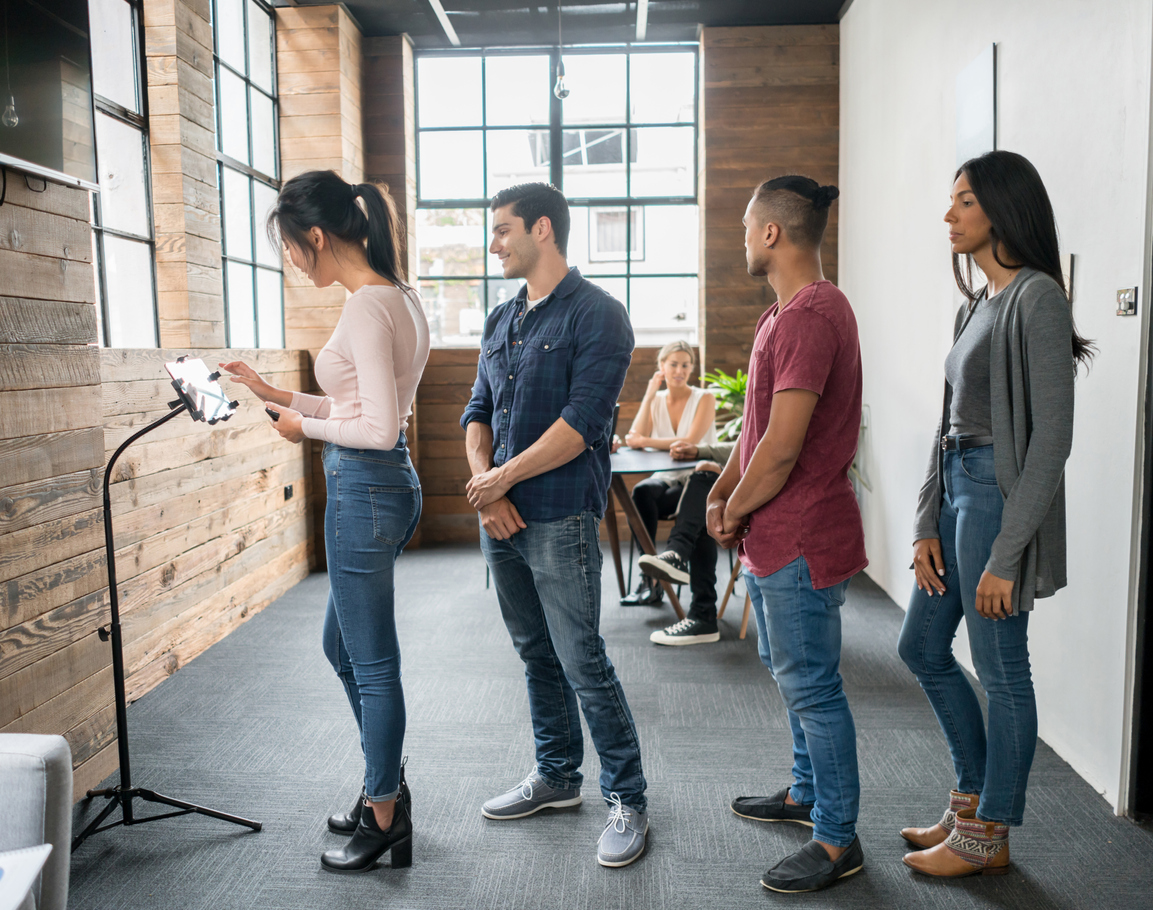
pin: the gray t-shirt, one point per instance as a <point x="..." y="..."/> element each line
<point x="967" y="372"/>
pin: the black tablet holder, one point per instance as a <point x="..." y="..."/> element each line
<point x="202" y="397"/>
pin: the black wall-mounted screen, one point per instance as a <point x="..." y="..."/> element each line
<point x="46" y="86"/>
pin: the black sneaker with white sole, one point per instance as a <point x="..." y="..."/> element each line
<point x="688" y="631"/>
<point x="668" y="566"/>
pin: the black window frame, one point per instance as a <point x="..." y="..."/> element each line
<point x="556" y="129"/>
<point x="226" y="161"/>
<point x="139" y="122"/>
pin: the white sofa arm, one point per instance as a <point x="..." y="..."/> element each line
<point x="36" y="807"/>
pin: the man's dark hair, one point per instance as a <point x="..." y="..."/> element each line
<point x="798" y="204"/>
<point x="531" y="202"/>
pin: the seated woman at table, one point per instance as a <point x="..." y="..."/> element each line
<point x="680" y="413"/>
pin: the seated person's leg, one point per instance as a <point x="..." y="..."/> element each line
<point x="690" y="548"/>
<point x="703" y="581"/>
<point x="673" y="563"/>
<point x="653" y="498"/>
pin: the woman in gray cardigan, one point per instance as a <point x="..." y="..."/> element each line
<point x="990" y="525"/>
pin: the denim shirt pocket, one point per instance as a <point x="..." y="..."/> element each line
<point x="546" y="355"/>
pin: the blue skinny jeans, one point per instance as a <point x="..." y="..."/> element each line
<point x="995" y="765"/>
<point x="799" y="640"/>
<point x="374" y="504"/>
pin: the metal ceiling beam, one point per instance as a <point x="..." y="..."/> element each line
<point x="642" y="19"/>
<point x="442" y="17"/>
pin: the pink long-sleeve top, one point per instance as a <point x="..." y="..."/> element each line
<point x="369" y="370"/>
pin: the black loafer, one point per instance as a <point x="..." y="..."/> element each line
<point x="810" y="869"/>
<point x="772" y="809"/>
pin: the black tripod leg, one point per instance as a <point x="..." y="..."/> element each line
<point x="113" y="802"/>
<point x="154" y="797"/>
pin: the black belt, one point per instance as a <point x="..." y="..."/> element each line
<point x="958" y="443"/>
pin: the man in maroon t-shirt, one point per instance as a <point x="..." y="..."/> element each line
<point x="788" y="504"/>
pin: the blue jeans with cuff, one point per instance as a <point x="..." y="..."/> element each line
<point x="374" y="502"/>
<point x="995" y="765"/>
<point x="799" y="640"/>
<point x="548" y="583"/>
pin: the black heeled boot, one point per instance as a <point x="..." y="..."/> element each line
<point x="369" y="842"/>
<point x="346" y="822"/>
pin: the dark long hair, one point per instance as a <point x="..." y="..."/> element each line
<point x="1024" y="229"/>
<point x="322" y="199"/>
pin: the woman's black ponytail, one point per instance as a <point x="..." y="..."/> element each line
<point x="323" y="200"/>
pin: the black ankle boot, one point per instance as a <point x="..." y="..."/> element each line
<point x="346" y="822"/>
<point x="369" y="843"/>
<point x="648" y="594"/>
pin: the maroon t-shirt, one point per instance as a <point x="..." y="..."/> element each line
<point x="811" y="344"/>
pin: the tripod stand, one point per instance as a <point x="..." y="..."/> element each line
<point x="122" y="796"/>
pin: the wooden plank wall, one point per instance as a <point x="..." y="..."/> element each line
<point x="443" y="393"/>
<point x="185" y="198"/>
<point x="390" y="127"/>
<point x="770" y="106"/>
<point x="319" y="60"/>
<point x="51" y="455"/>
<point x="205" y="539"/>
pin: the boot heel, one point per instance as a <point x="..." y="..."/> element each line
<point x="996" y="870"/>
<point x="401" y="854"/>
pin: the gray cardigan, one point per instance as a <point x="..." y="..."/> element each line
<point x="1031" y="374"/>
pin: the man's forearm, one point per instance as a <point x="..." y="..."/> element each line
<point x="768" y="471"/>
<point x="478" y="447"/>
<point x="558" y="445"/>
<point x="727" y="482"/>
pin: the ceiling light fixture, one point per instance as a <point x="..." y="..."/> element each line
<point x="442" y="17"/>
<point x="561" y="90"/>
<point x="9" y="117"/>
<point x="642" y="19"/>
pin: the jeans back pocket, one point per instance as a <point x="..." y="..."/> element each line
<point x="393" y="511"/>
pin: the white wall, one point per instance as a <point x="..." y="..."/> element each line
<point x="1073" y="96"/>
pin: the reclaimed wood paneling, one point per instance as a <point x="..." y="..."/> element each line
<point x="769" y="106"/>
<point x="185" y="198"/>
<point x="320" y="65"/>
<point x="205" y="538"/>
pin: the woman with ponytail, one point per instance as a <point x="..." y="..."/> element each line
<point x="369" y="370"/>
<point x="990" y="524"/>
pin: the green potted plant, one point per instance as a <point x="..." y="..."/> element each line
<point x="730" y="394"/>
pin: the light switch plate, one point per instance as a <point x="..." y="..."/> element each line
<point x="1127" y="302"/>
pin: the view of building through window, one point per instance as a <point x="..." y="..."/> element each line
<point x="625" y="141"/>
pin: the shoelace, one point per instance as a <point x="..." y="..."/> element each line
<point x="526" y="788"/>
<point x="618" y="814"/>
<point x="680" y="626"/>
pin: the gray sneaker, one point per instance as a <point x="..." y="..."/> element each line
<point x="529" y="796"/>
<point x="624" y="836"/>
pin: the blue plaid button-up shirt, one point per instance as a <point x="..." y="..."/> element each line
<point x="566" y="358"/>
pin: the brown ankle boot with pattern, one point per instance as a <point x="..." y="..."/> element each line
<point x="930" y="837"/>
<point x="974" y="848"/>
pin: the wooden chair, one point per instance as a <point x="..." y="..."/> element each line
<point x="728" y="594"/>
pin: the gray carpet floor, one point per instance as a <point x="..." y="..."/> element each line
<point x="259" y="726"/>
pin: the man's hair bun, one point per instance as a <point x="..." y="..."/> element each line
<point x="825" y="195"/>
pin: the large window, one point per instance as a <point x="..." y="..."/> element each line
<point x="248" y="153"/>
<point x="622" y="146"/>
<point x="122" y="237"/>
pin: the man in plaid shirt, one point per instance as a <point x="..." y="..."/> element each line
<point x="552" y="362"/>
